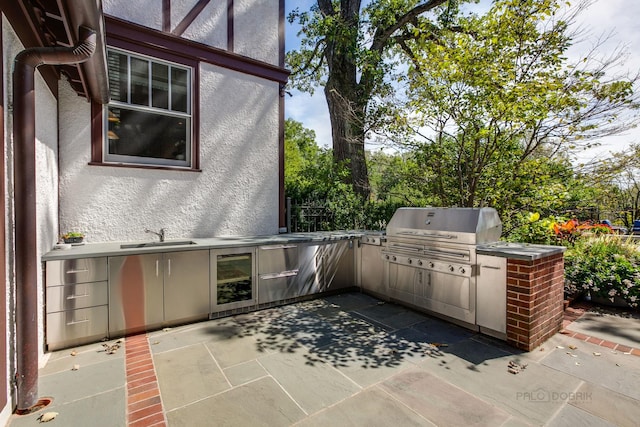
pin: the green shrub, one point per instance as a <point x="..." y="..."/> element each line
<point x="605" y="266"/>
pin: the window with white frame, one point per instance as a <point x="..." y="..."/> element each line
<point x="149" y="117"/>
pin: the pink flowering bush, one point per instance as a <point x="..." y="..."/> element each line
<point x="605" y="266"/>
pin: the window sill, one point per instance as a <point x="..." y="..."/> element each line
<point x="155" y="167"/>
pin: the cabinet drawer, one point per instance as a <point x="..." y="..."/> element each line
<point x="81" y="295"/>
<point x="277" y="258"/>
<point x="70" y="271"/>
<point x="68" y="328"/>
<point x="278" y="286"/>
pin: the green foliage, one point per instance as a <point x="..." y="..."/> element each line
<point x="502" y="102"/>
<point x="531" y="228"/>
<point x="608" y="267"/>
<point x="311" y="176"/>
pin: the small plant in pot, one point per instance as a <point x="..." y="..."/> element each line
<point x="73" y="237"/>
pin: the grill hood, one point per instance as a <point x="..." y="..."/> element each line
<point x="455" y="225"/>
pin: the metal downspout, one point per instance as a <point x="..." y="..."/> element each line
<point x="26" y="258"/>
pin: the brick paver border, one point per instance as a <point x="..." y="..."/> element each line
<point x="144" y="404"/>
<point x="572" y="313"/>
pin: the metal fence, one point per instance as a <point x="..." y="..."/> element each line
<point x="308" y="215"/>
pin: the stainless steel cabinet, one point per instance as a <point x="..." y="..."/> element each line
<point x="491" y="286"/>
<point x="186" y="285"/>
<point x="76" y="301"/>
<point x="277" y="273"/>
<point x="371" y="270"/>
<point x="150" y="290"/>
<point x="326" y="266"/>
<point x="136" y="301"/>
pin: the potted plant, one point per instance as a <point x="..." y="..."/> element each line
<point x="73" y="237"/>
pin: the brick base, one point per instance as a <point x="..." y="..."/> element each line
<point x="535" y="291"/>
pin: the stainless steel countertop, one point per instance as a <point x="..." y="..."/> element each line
<point x="522" y="251"/>
<point x="92" y="250"/>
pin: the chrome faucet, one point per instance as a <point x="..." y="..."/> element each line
<point x="160" y="234"/>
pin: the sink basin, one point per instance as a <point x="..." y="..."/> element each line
<point x="156" y="244"/>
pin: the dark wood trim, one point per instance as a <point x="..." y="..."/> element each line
<point x="133" y="34"/>
<point x="96" y="132"/>
<point x="281" y="34"/>
<point x="3" y="248"/>
<point x="139" y="166"/>
<point x="23" y="23"/>
<point x="281" y="119"/>
<point x="190" y="17"/>
<point x="166" y="16"/>
<point x="97" y="119"/>
<point x="230" y="25"/>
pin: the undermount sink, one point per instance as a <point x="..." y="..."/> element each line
<point x="156" y="244"/>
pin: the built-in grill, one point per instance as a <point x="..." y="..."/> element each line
<point x="431" y="257"/>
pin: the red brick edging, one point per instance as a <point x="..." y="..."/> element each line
<point x="144" y="405"/>
<point x="573" y="313"/>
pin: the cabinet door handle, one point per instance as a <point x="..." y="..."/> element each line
<point x="77" y="296"/>
<point x="491" y="267"/>
<point x="157" y="267"/>
<point x="169" y="266"/>
<point x="77" y="271"/>
<point x="75" y="322"/>
<point x="274" y="247"/>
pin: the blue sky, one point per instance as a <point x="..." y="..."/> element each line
<point x="616" y="18"/>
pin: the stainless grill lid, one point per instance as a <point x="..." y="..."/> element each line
<point x="457" y="225"/>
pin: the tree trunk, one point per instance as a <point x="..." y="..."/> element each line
<point x="347" y="131"/>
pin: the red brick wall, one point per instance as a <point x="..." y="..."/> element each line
<point x="535" y="292"/>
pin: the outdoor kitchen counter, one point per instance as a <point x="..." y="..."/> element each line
<point x="91" y="250"/>
<point x="522" y="251"/>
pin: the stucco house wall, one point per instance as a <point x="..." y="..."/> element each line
<point x="236" y="193"/>
<point x="237" y="190"/>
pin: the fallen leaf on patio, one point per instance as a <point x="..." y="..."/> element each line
<point x="541" y="348"/>
<point x="515" y="368"/>
<point x="578" y="363"/>
<point x="155" y="342"/>
<point x="617" y="364"/>
<point x="47" y="416"/>
<point x="111" y="349"/>
<point x="75" y="367"/>
<point x="572" y="347"/>
<point x="559" y="346"/>
<point x="166" y="329"/>
<point x="597" y="354"/>
<point x="74" y="353"/>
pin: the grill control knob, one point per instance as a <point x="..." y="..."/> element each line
<point x="386" y="256"/>
<point x="431" y="265"/>
<point x="419" y="262"/>
<point x="410" y="261"/>
<point x="462" y="270"/>
<point x="393" y="258"/>
<point x="451" y="269"/>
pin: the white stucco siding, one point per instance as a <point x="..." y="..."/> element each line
<point x="209" y="27"/>
<point x="255" y="31"/>
<point x="239" y="123"/>
<point x="236" y="193"/>
<point x="143" y="12"/>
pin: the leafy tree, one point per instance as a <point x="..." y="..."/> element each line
<point x="349" y="49"/>
<point x="500" y="99"/>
